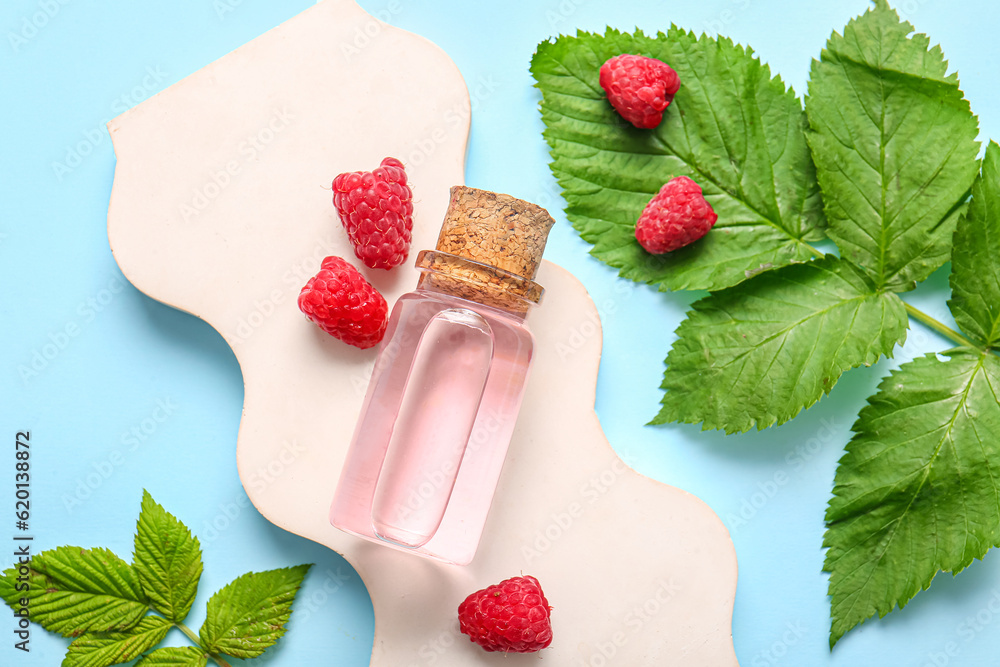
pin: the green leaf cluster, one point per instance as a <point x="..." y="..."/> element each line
<point x="881" y="159"/>
<point x="117" y="611"/>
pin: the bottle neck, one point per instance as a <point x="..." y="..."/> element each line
<point x="449" y="274"/>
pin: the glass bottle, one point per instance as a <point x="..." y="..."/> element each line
<point x="447" y="385"/>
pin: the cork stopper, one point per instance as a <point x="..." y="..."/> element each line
<point x="495" y="229"/>
<point x="489" y="249"/>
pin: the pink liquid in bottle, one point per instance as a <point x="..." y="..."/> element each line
<point x="429" y="445"/>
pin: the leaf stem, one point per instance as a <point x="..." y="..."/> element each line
<point x="190" y="634"/>
<point x="923" y="317"/>
<point x="937" y="326"/>
<point x="218" y="659"/>
<point x="815" y="251"/>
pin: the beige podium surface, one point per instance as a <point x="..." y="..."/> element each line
<point x="221" y="207"/>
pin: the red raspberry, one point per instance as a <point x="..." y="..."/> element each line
<point x="676" y="216"/>
<point x="512" y="616"/>
<point x="344" y="304"/>
<point x="376" y="208"/>
<point x="639" y="88"/>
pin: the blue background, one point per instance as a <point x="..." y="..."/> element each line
<point x="107" y="356"/>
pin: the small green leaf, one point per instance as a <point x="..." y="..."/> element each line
<point x="918" y="490"/>
<point x="187" y="656"/>
<point x="115" y="648"/>
<point x="894" y="142"/>
<point x="167" y="559"/>
<point x="732" y="127"/>
<point x="74" y="590"/>
<point x="975" y="257"/>
<point x="248" y="615"/>
<point x="758" y="353"/>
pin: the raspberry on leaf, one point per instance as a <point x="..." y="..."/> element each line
<point x="376" y="209"/>
<point x="677" y="216"/>
<point x="512" y="616"/>
<point x="345" y="305"/>
<point x="639" y="88"/>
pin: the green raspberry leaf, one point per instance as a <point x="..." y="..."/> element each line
<point x="918" y="490"/>
<point x="894" y="142"/>
<point x="732" y="127"/>
<point x="758" y="353"/>
<point x="975" y="257"/>
<point x="74" y="590"/>
<point x="187" y="656"/>
<point x="167" y="559"/>
<point x="118" y="647"/>
<point x="248" y="615"/>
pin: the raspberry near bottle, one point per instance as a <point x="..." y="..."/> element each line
<point x="447" y="384"/>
